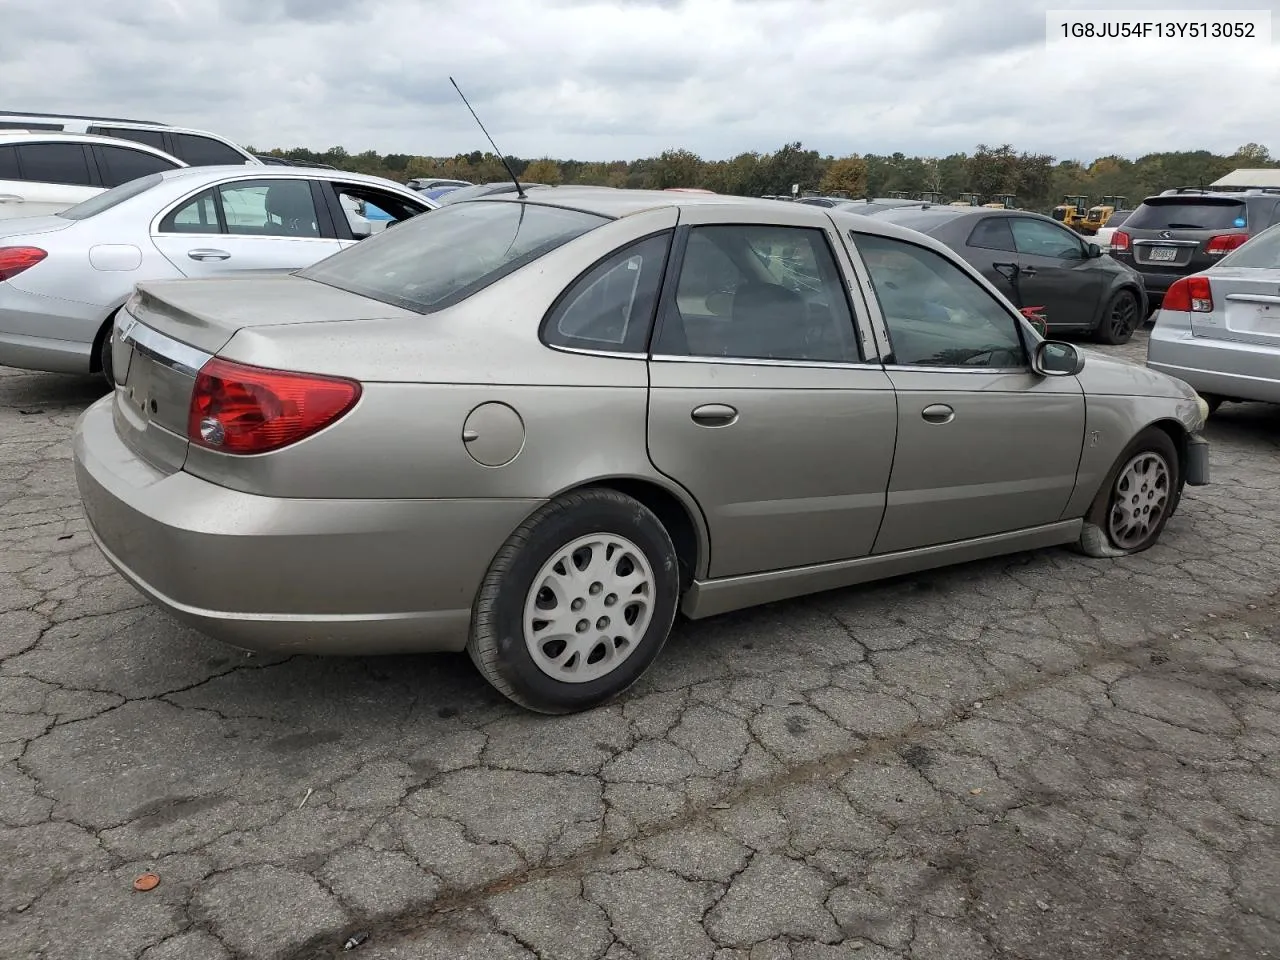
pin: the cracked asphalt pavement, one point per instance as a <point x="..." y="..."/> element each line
<point x="1042" y="757"/>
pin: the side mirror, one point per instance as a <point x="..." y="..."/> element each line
<point x="1053" y="358"/>
<point x="1093" y="250"/>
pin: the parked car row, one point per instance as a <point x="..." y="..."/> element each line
<point x="64" y="276"/>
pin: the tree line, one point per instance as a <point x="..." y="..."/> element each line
<point x="1038" y="181"/>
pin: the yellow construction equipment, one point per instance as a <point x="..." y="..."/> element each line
<point x="1071" y="212"/>
<point x="929" y="196"/>
<point x="1099" y="215"/>
<point x="1005" y="201"/>
<point x="966" y="200"/>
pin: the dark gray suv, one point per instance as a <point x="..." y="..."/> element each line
<point x="1184" y="231"/>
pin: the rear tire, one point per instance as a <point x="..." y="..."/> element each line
<point x="577" y="604"/>
<point x="1139" y="496"/>
<point x="106" y="367"/>
<point x="1119" y="319"/>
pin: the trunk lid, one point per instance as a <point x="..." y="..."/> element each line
<point x="170" y="329"/>
<point x="1246" y="306"/>
<point x="30" y="227"/>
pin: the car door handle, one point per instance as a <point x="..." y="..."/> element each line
<point x="938" y="413"/>
<point x="714" y="415"/>
<point x="1027" y="271"/>
<point x="11" y="198"/>
<point x="205" y="254"/>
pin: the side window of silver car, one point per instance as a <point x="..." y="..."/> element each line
<point x="759" y="292"/>
<point x="610" y="308"/>
<point x="936" y="315"/>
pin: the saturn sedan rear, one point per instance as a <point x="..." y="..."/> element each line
<point x="533" y="428"/>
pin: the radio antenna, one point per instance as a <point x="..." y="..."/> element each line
<point x="511" y="173"/>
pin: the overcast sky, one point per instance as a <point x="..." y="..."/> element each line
<point x="629" y="78"/>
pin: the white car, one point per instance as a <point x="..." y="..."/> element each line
<point x="63" y="277"/>
<point x="43" y="172"/>
<point x="196" y="148"/>
<point x="1103" y="237"/>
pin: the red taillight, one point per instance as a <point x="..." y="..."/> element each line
<point x="1225" y="243"/>
<point x="1189" y="295"/>
<point x="13" y="260"/>
<point x="236" y="408"/>
<point x="1119" y="241"/>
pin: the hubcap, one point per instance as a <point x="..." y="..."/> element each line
<point x="1123" y="316"/>
<point x="1139" y="501"/>
<point x="588" y="608"/>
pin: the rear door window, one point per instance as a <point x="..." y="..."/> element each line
<point x="992" y="233"/>
<point x="120" y="165"/>
<point x="1189" y="214"/>
<point x="200" y="214"/>
<point x="204" y="151"/>
<point x="152" y="138"/>
<point x="55" y="163"/>
<point x="9" y="163"/>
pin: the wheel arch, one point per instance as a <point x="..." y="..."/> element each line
<point x="1177" y="432"/>
<point x="95" y="351"/>
<point x="678" y="512"/>
<point x="1120" y="284"/>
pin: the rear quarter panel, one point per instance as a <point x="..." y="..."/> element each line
<point x="581" y="416"/>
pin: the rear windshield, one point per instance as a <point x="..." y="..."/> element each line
<point x="441" y="257"/>
<point x="1187" y="214"/>
<point x="108" y="199"/>
<point x="1117" y="218"/>
<point x="1263" y="252"/>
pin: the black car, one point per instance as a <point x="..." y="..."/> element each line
<point x="1037" y="262"/>
<point x="1184" y="231"/>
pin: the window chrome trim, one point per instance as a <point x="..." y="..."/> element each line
<point x="767" y="362"/>
<point x="589" y="352"/>
<point x="925" y="368"/>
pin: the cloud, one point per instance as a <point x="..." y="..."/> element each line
<point x="598" y="80"/>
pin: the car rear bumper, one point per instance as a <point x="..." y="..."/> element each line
<point x="1157" y="284"/>
<point x="289" y="575"/>
<point x="1237" y="371"/>
<point x="45" y="333"/>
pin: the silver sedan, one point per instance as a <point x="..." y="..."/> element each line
<point x="1219" y="330"/>
<point x="535" y="429"/>
<point x="62" y="277"/>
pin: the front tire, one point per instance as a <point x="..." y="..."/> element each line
<point x="1136" y="501"/>
<point x="1119" y="319"/>
<point x="577" y="604"/>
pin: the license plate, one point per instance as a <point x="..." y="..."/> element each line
<point x="1163" y="253"/>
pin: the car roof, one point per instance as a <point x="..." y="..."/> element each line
<point x="10" y="137"/>
<point x="258" y="172"/>
<point x="36" y="114"/>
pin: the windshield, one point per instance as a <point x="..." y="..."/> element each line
<point x="444" y="256"/>
<point x="1262" y="252"/>
<point x="1202" y="213"/>
<point x="1117" y="218"/>
<point x="108" y="199"/>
